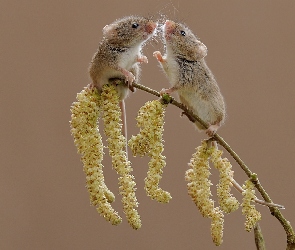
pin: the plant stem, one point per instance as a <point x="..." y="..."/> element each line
<point x="264" y="203"/>
<point x="274" y="211"/>
<point x="259" y="241"/>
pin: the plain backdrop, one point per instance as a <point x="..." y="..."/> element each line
<point x="45" y="50"/>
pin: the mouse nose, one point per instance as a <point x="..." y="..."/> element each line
<point x="169" y="24"/>
<point x="150" y="27"/>
<point x="169" y="27"/>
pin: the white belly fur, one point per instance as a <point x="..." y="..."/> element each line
<point x="198" y="105"/>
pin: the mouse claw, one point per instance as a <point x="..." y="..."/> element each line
<point x="130" y="86"/>
<point x="142" y="59"/>
<point x="129" y="77"/>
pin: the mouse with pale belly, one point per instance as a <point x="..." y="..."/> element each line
<point x="189" y="75"/>
<point x="119" y="54"/>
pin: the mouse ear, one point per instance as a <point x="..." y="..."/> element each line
<point x="200" y="50"/>
<point x="109" y="31"/>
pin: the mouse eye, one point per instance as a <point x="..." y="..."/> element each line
<point x="182" y="33"/>
<point x="135" y="25"/>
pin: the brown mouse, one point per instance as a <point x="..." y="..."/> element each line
<point x="119" y="54"/>
<point x="189" y="75"/>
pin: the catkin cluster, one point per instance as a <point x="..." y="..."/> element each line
<point x="111" y="115"/>
<point x="226" y="201"/>
<point x="84" y="128"/>
<point x="87" y="110"/>
<point x="199" y="190"/>
<point x="150" y="120"/>
<point x="251" y="214"/>
<point x="198" y="180"/>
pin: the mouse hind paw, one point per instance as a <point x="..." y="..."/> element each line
<point x="211" y="131"/>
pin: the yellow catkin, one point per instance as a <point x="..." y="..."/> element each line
<point x="111" y="115"/>
<point x="199" y="190"/>
<point x="217" y="226"/>
<point x="149" y="141"/>
<point x="227" y="202"/>
<point x="251" y="214"/>
<point x="198" y="180"/>
<point x="84" y="129"/>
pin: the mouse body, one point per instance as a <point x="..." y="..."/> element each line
<point x="189" y="75"/>
<point x="119" y="54"/>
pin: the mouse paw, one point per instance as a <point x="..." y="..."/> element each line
<point x="130" y="86"/>
<point x="158" y="56"/>
<point x="142" y="59"/>
<point x="211" y="131"/>
<point x="91" y="86"/>
<point x="129" y="77"/>
<point x="164" y="91"/>
<point x="167" y="91"/>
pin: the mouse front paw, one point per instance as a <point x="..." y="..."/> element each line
<point x="142" y="59"/>
<point x="158" y="56"/>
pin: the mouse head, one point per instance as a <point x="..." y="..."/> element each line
<point x="129" y="31"/>
<point x="181" y="42"/>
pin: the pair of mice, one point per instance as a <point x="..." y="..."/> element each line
<point x="119" y="55"/>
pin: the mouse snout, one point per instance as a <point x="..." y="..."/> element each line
<point x="169" y="28"/>
<point x="150" y="27"/>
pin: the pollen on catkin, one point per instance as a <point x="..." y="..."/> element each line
<point x="111" y="115"/>
<point x="227" y="202"/>
<point x="217" y="226"/>
<point x="84" y="129"/>
<point x="149" y="141"/>
<point x="198" y="180"/>
<point x="251" y="214"/>
<point x="199" y="190"/>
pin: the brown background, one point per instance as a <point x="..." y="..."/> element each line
<point x="45" y="49"/>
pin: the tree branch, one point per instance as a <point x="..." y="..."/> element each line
<point x="259" y="241"/>
<point x="192" y="117"/>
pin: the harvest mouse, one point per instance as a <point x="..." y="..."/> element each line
<point x="189" y="75"/>
<point x="119" y="54"/>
